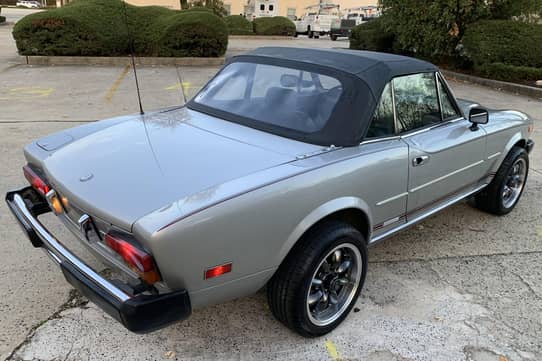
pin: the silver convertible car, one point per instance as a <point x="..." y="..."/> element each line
<point x="280" y="172"/>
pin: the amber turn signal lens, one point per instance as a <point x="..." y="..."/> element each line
<point x="55" y="204"/>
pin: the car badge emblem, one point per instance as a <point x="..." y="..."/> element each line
<point x="86" y="177"/>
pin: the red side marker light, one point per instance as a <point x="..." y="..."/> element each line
<point x="36" y="182"/>
<point x="218" y="270"/>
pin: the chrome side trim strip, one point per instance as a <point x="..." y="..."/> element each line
<point x="423" y="216"/>
<point x="391" y="221"/>
<point x="431" y="127"/>
<point x="493" y="155"/>
<point x="445" y="176"/>
<point x="59" y="253"/>
<point x="377" y="140"/>
<point x="385" y="201"/>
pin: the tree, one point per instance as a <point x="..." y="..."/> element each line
<point x="525" y="9"/>
<point x="184" y="4"/>
<point x="430" y="28"/>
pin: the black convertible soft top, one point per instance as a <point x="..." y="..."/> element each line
<point x="375" y="69"/>
<point x="363" y="75"/>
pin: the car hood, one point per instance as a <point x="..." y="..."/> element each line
<point x="130" y="169"/>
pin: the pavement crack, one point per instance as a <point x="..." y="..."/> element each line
<point x="433" y="259"/>
<point x="75" y="299"/>
<point x="527" y="284"/>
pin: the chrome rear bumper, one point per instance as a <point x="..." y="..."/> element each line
<point x="137" y="312"/>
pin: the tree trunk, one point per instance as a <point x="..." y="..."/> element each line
<point x="184" y="4"/>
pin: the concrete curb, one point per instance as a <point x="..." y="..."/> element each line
<point x="526" y="90"/>
<point x="119" y="60"/>
<point x="260" y="37"/>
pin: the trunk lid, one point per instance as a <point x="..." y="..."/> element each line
<point x="128" y="170"/>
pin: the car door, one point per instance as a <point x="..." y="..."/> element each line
<point x="445" y="155"/>
<point x="385" y="162"/>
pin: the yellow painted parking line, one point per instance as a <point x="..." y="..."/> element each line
<point x="111" y="92"/>
<point x="185" y="85"/>
<point x="25" y="93"/>
<point x="332" y="350"/>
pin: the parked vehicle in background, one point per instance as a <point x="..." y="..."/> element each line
<point x="261" y="8"/>
<point x="341" y="28"/>
<point x="29" y="4"/>
<point x="317" y="20"/>
<point x="362" y="14"/>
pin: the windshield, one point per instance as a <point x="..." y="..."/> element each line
<point x="274" y="96"/>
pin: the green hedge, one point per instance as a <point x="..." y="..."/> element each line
<point x="504" y="41"/>
<point x="504" y="72"/>
<point x="238" y="25"/>
<point x="98" y="28"/>
<point x="201" y="34"/>
<point x="371" y="36"/>
<point x="277" y="25"/>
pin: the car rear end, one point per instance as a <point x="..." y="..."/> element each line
<point x="139" y="300"/>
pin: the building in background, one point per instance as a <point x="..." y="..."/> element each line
<point x="288" y="8"/>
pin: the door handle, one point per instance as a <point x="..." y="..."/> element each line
<point x="421" y="160"/>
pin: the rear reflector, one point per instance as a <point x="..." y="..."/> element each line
<point x="218" y="271"/>
<point x="140" y="261"/>
<point x="35" y="180"/>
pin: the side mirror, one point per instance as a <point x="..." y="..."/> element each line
<point x="478" y="116"/>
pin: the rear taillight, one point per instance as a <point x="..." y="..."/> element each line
<point x="35" y="180"/>
<point x="138" y="260"/>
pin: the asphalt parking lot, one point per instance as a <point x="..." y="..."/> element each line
<point x="462" y="285"/>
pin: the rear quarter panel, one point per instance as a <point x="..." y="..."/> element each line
<point x="256" y="230"/>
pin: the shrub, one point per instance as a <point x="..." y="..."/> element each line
<point x="98" y="28"/>
<point x="2" y="19"/>
<point x="504" y="41"/>
<point x="371" y="36"/>
<point x="506" y="72"/>
<point x="277" y="25"/>
<point x="193" y="34"/>
<point x="238" y="25"/>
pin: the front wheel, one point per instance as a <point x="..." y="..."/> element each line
<point x="503" y="193"/>
<point x="318" y="283"/>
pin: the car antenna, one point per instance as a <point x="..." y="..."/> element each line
<point x="131" y="39"/>
<point x="181" y="83"/>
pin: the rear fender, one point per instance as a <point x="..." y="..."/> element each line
<point x="320" y="213"/>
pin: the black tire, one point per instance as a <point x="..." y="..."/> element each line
<point x="311" y="34"/>
<point x="288" y="290"/>
<point x="333" y="37"/>
<point x="491" y="199"/>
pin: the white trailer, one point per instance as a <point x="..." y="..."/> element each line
<point x="262" y="8"/>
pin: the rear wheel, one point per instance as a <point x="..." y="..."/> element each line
<point x="503" y="193"/>
<point x="319" y="281"/>
<point x="333" y="37"/>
